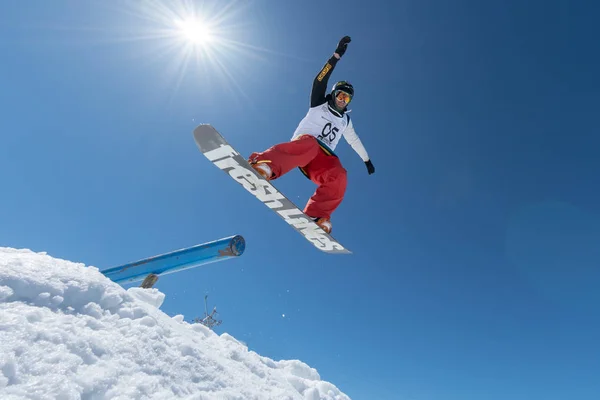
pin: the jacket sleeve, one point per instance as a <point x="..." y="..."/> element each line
<point x="354" y="141"/>
<point x="319" y="88"/>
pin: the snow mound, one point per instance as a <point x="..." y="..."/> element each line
<point x="68" y="332"/>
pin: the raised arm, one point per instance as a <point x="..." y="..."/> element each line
<point x="319" y="88"/>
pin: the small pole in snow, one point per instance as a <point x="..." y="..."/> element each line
<point x="208" y="320"/>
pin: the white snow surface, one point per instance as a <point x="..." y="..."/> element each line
<point x="68" y="332"/>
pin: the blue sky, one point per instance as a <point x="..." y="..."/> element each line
<point x="476" y="243"/>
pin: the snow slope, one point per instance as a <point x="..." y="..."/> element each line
<point x="68" y="332"/>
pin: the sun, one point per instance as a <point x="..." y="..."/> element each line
<point x="197" y="42"/>
<point x="195" y="31"/>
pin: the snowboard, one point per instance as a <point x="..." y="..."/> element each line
<point x="218" y="151"/>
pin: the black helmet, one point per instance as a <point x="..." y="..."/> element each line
<point x="344" y="87"/>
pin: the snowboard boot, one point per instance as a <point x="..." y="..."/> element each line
<point x="263" y="168"/>
<point x="324" y="224"/>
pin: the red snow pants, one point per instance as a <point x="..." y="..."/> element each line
<point x="324" y="170"/>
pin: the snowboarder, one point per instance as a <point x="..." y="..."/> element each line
<point x="312" y="144"/>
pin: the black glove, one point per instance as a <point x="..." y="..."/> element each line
<point x="370" y="167"/>
<point x="342" y="45"/>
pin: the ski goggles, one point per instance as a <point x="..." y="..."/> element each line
<point x="343" y="96"/>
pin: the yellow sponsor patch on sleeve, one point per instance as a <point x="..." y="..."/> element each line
<point x="324" y="72"/>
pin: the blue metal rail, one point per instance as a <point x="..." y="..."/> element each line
<point x="179" y="260"/>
